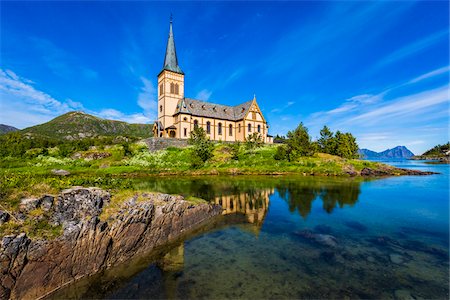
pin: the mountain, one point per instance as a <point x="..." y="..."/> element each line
<point x="6" y="128"/>
<point x="78" y="125"/>
<point x="397" y="152"/>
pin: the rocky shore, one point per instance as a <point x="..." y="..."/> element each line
<point x="32" y="268"/>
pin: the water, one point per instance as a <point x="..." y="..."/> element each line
<point x="299" y="237"/>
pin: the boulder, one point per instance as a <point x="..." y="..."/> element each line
<point x="28" y="204"/>
<point x="4" y="217"/>
<point x="60" y="172"/>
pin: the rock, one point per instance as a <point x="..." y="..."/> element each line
<point x="403" y="295"/>
<point x="350" y="170"/>
<point x="33" y="268"/>
<point x="396" y="258"/>
<point x="47" y="202"/>
<point x="356" y="226"/>
<point x="323" y="239"/>
<point x="4" y="217"/>
<point x="60" y="172"/>
<point x="79" y="203"/>
<point x="28" y="204"/>
<point x="372" y="172"/>
<point x="323" y="229"/>
<point x="370" y="259"/>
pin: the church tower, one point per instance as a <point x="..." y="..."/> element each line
<point x="170" y="89"/>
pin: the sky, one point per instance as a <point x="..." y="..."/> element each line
<point x="379" y="70"/>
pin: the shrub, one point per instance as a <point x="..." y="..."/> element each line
<point x="253" y="141"/>
<point x="281" y="153"/>
<point x="202" y="147"/>
<point x="235" y="149"/>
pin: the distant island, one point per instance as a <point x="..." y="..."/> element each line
<point x="6" y="128"/>
<point x="399" y="152"/>
<point x="440" y="153"/>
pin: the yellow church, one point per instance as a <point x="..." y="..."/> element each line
<point x="178" y="115"/>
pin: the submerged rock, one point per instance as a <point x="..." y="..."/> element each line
<point x="403" y="295"/>
<point x="322" y="239"/>
<point x="32" y="268"/>
<point x="356" y="226"/>
<point x="396" y="258"/>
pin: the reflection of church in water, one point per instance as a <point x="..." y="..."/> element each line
<point x="252" y="205"/>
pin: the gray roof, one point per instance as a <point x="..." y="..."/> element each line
<point x="170" y="60"/>
<point x="211" y="110"/>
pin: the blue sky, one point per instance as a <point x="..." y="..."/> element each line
<point x="377" y="69"/>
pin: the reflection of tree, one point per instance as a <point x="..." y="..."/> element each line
<point x="298" y="192"/>
<point x="301" y="194"/>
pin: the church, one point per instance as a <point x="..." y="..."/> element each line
<point x="178" y="115"/>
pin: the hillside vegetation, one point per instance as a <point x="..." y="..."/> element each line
<point x="78" y="125"/>
<point x="438" y="150"/>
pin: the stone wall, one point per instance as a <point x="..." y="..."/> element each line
<point x="32" y="268"/>
<point x="155" y="144"/>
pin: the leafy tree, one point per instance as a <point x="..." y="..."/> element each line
<point x="253" y="141"/>
<point x="281" y="153"/>
<point x="346" y="145"/>
<point x="202" y="147"/>
<point x="234" y="150"/>
<point x="299" y="143"/>
<point x="326" y="142"/>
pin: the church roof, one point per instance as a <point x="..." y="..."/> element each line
<point x="170" y="60"/>
<point x="211" y="110"/>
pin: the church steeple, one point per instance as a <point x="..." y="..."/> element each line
<point x="170" y="60"/>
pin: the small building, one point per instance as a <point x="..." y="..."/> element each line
<point x="179" y="115"/>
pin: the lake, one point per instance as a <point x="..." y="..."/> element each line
<point x="298" y="237"/>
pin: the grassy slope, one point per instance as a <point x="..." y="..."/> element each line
<point x="71" y="124"/>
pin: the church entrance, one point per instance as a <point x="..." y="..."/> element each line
<point x="172" y="133"/>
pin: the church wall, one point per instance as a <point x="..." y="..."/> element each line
<point x="167" y="100"/>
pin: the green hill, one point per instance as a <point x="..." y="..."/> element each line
<point x="438" y="150"/>
<point x="78" y="125"/>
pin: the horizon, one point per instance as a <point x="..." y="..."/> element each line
<point x="376" y="69"/>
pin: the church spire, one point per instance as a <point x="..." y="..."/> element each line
<point x="171" y="61"/>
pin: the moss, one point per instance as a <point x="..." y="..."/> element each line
<point x="195" y="200"/>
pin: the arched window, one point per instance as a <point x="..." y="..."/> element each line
<point x="239" y="127"/>
<point x="172" y="88"/>
<point x="249" y="127"/>
<point x="208" y="127"/>
<point x="176" y="88"/>
<point x="185" y="131"/>
<point x="231" y="129"/>
<point x="160" y="108"/>
<point x="161" y="90"/>
<point x="219" y="129"/>
<point x="259" y="128"/>
<point x="195" y="124"/>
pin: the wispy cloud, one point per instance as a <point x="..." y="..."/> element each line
<point x="378" y="120"/>
<point x="280" y="109"/>
<point x="203" y="95"/>
<point x="23" y="105"/>
<point x="147" y="99"/>
<point x="413" y="48"/>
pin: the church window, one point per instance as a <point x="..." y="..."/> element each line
<point x="161" y="91"/>
<point x="259" y="128"/>
<point x="185" y="131"/>
<point x="219" y="129"/>
<point x="195" y="124"/>
<point x="231" y="129"/>
<point x="172" y="88"/>
<point x="176" y="88"/>
<point x="253" y="115"/>
<point x="160" y="108"/>
<point x="249" y="127"/>
<point x="239" y="128"/>
<point x="184" y="119"/>
<point x="208" y="127"/>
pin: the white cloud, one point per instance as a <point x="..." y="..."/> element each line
<point x="23" y="105"/>
<point x="431" y="74"/>
<point x="147" y="99"/>
<point x="203" y="95"/>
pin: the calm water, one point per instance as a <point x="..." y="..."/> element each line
<point x="296" y="237"/>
